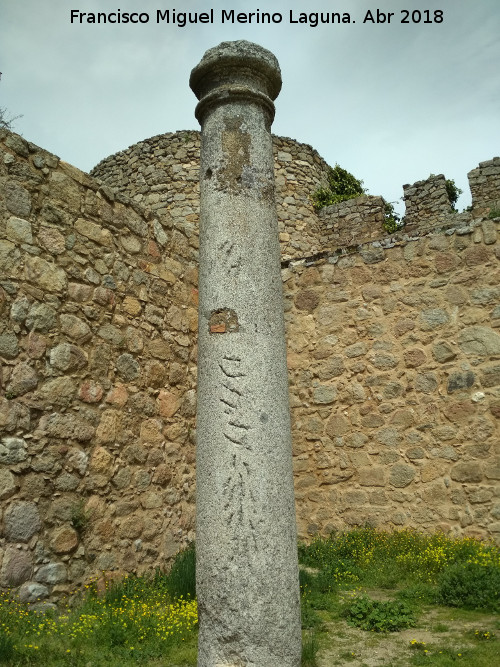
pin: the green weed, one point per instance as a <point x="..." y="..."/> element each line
<point x="181" y="579"/>
<point x="470" y="585"/>
<point x="379" y="616"/>
<point x="310" y="648"/>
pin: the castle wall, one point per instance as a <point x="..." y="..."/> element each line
<point x="352" y="222"/>
<point x="98" y="376"/>
<point x="393" y="348"/>
<point x="162" y="174"/>
<point x="394" y="357"/>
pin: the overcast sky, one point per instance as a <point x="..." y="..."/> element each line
<point x="391" y="103"/>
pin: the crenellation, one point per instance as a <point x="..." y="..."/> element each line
<point x="484" y="183"/>
<point x="353" y="222"/>
<point x="427" y="204"/>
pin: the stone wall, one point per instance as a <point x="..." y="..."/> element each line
<point x="98" y="379"/>
<point x="162" y="174"/>
<point x="394" y="356"/>
<point x="427" y="203"/>
<point x="352" y="222"/>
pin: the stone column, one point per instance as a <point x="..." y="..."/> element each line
<point x="247" y="573"/>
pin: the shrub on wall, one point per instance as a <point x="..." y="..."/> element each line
<point x="453" y="192"/>
<point x="342" y="185"/>
<point x="392" y="221"/>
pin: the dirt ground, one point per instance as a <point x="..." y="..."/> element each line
<point x="346" y="645"/>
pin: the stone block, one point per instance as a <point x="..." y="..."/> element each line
<point x="17" y="567"/>
<point x="433" y="318"/>
<point x="67" y="357"/>
<point x="44" y="275"/>
<point x="74" y="327"/>
<point x="90" y="391"/>
<point x="63" y="540"/>
<point x="52" y="574"/>
<point x="401" y="475"/>
<point x="8" y="484"/>
<point x="443" y="352"/>
<point x="467" y="471"/>
<point x="67" y="426"/>
<point x="17" y="199"/>
<point x="324" y="394"/>
<point x="10" y="259"/>
<point x="168" y="403"/>
<point x="9" y="348"/>
<point x="22" y="521"/>
<point x="12" y="450"/>
<point x="59" y="391"/>
<point x="479" y="341"/>
<point x="32" y="591"/>
<point x="94" y="232"/>
<point x="490" y="375"/>
<point x="372" y="476"/>
<point x="52" y="240"/>
<point x="458" y="380"/>
<point x="19" y="231"/>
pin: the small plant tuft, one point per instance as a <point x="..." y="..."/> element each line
<point x="80" y="517"/>
<point x="341" y="185"/>
<point x="181" y="579"/>
<point x="310" y="648"/>
<point x="7" y="649"/>
<point x="483" y="635"/>
<point x="379" y="616"/>
<point x="415" y="645"/>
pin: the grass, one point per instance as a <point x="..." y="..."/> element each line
<point x="358" y="589"/>
<point x="384" y="582"/>
<point x="135" y="621"/>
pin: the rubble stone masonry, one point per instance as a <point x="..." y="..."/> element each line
<point x="393" y="351"/>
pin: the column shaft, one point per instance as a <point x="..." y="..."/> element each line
<point x="247" y="574"/>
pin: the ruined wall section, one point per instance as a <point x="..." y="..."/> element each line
<point x="427" y="203"/>
<point x="484" y="184"/>
<point x="97" y="381"/>
<point x="162" y="174"/>
<point x="352" y="222"/>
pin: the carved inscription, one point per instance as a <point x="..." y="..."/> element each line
<point x="233" y="398"/>
<point x="239" y="499"/>
<point x="230" y="258"/>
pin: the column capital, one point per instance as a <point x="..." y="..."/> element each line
<point x="236" y="71"/>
